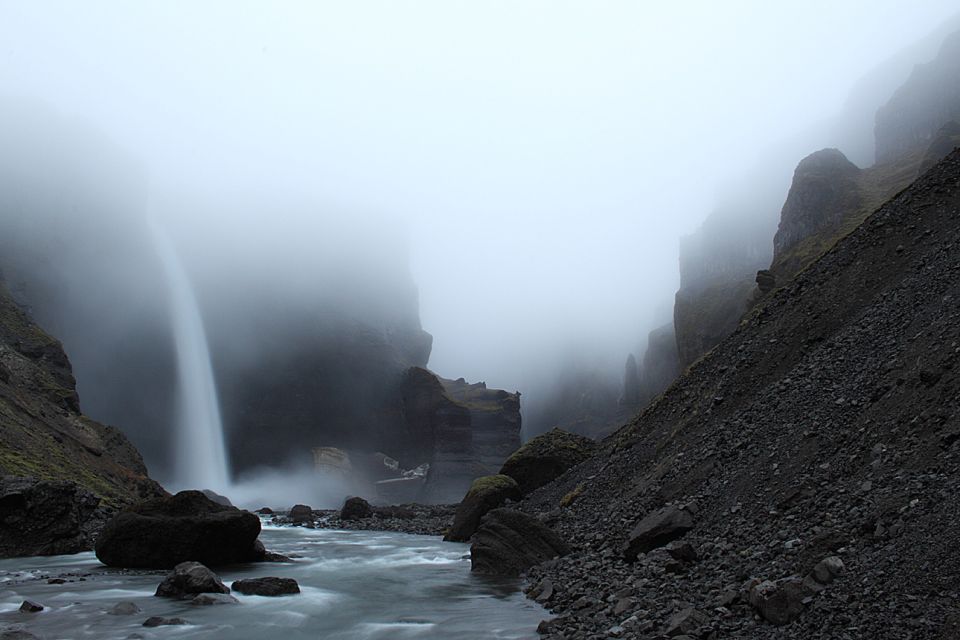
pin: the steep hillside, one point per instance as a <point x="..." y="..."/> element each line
<point x="42" y="431"/>
<point x="826" y="425"/>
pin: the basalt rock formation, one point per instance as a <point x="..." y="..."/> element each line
<point x="463" y="431"/>
<point x="438" y="429"/>
<point x="815" y="449"/>
<point x="43" y="433"/>
<point x="494" y="420"/>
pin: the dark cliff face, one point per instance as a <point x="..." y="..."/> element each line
<point x="314" y="363"/>
<point x="909" y="122"/>
<point x="329" y="382"/>
<point x="438" y="430"/>
<point x="661" y="363"/>
<point x="581" y="399"/>
<point x="494" y="420"/>
<point x="42" y="431"/>
<point x="718" y="265"/>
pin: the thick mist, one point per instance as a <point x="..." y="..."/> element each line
<point x="514" y="178"/>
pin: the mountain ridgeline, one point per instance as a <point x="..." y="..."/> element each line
<point x="764" y="234"/>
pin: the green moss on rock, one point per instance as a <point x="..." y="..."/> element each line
<point x="546" y="458"/>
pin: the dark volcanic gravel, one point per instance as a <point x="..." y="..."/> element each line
<point x="827" y="425"/>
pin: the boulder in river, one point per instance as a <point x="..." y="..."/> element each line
<point x="125" y="608"/>
<point x="356" y="508"/>
<point x="485" y="494"/>
<point x="301" y="513"/>
<point x="509" y="542"/>
<point x="29" y="606"/>
<point x="188" y="579"/>
<point x="163" y="532"/>
<point x="546" y="458"/>
<point x="268" y="586"/>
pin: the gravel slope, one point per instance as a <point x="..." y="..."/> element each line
<point x="826" y="425"/>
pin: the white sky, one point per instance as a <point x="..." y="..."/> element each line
<point x="545" y="156"/>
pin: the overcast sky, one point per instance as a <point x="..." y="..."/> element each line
<point x="542" y="157"/>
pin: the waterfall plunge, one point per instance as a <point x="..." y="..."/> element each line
<point x="201" y="462"/>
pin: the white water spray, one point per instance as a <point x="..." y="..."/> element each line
<point x="201" y="461"/>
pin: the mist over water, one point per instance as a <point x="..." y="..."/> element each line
<point x="201" y="460"/>
<point x="513" y="177"/>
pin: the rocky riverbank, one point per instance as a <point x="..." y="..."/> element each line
<point x="418" y="519"/>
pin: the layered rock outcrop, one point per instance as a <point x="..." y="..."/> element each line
<point x="494" y="420"/>
<point x="44" y="435"/>
<point x="438" y="429"/>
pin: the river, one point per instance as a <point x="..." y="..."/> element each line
<point x="355" y="585"/>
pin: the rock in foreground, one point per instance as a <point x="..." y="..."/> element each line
<point x="546" y="458"/>
<point x="485" y="494"/>
<point x="188" y="579"/>
<point x="510" y="542"/>
<point x="268" y="586"/>
<point x="164" y="532"/>
<point x="658" y="529"/>
<point x="41" y="518"/>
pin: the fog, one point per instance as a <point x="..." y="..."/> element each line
<point x="520" y="173"/>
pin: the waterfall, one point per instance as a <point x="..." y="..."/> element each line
<point x="201" y="461"/>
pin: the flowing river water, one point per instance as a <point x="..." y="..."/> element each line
<point x="355" y="585"/>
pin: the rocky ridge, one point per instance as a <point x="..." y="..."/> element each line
<point x="43" y="433"/>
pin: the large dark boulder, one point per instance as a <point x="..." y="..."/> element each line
<point x="301" y="513"/>
<point x="356" y="508"/>
<point x="164" y="532"/>
<point x="485" y="494"/>
<point x="509" y="542"/>
<point x="546" y="458"/>
<point x="188" y="579"/>
<point x="41" y="518"/>
<point x="779" y="602"/>
<point x="658" y="529"/>
<point x="268" y="586"/>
